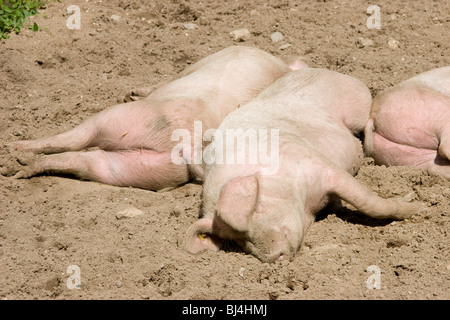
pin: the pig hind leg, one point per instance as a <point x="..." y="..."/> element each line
<point x="441" y="165"/>
<point x="75" y="139"/>
<point x="131" y="168"/>
<point x="444" y="144"/>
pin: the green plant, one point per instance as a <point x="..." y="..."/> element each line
<point x="14" y="13"/>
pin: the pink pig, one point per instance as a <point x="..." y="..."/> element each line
<point x="134" y="139"/>
<point x="316" y="113"/>
<point x="409" y="124"/>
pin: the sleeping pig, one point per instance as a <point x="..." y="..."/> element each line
<point x="410" y="124"/>
<point x="133" y="139"/>
<point x="266" y="206"/>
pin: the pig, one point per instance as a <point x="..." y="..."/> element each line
<point x="409" y="124"/>
<point x="317" y="114"/>
<point x="133" y="139"/>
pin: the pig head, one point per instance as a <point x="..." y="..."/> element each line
<point x="317" y="114"/>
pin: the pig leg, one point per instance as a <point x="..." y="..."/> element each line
<point x="441" y="165"/>
<point x="75" y="139"/>
<point x="123" y="126"/>
<point x="144" y="169"/>
<point x="444" y="145"/>
<point x="346" y="187"/>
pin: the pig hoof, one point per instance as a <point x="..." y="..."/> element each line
<point x="22" y="174"/>
<point x="14" y="162"/>
<point x="409" y="210"/>
<point x="21" y="145"/>
<point x="7" y="170"/>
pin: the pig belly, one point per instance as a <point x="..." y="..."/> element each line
<point x="390" y="153"/>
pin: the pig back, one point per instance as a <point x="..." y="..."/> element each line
<point x="343" y="97"/>
<point x="310" y="108"/>
<point x="225" y="80"/>
<point x="437" y="79"/>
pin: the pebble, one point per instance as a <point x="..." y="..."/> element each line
<point x="241" y="272"/>
<point x="115" y="18"/>
<point x="118" y="283"/>
<point x="276" y="36"/>
<point x="240" y="35"/>
<point x="284" y="46"/>
<point x="190" y="26"/>
<point x="130" y="212"/>
<point x="364" y="42"/>
<point x="393" y="44"/>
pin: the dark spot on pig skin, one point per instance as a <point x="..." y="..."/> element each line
<point x="160" y="123"/>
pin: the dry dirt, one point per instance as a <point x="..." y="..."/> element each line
<point x="53" y="79"/>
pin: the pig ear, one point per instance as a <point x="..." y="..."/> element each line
<point x="199" y="237"/>
<point x="237" y="201"/>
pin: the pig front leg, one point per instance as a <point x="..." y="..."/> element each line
<point x="346" y="187"/>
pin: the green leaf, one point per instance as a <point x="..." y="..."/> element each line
<point x="14" y="14"/>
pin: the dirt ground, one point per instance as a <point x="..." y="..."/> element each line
<point x="55" y="78"/>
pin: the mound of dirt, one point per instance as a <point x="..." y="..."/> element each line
<point x="62" y="238"/>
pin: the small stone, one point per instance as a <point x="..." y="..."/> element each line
<point x="284" y="46"/>
<point x="118" y="283"/>
<point x="241" y="272"/>
<point x="393" y="44"/>
<point x="190" y="26"/>
<point x="276" y="37"/>
<point x="240" y="35"/>
<point x="115" y="18"/>
<point x="130" y="212"/>
<point x="364" y="42"/>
